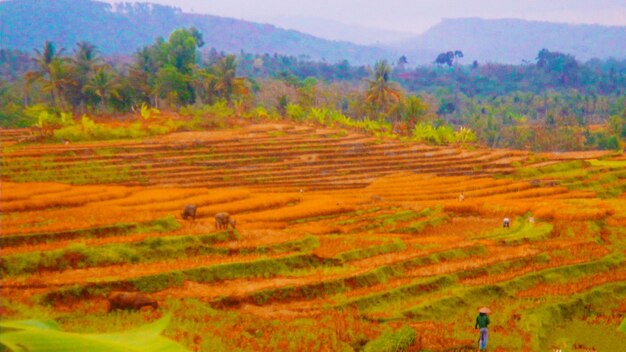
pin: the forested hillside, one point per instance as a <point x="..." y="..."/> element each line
<point x="125" y="27"/>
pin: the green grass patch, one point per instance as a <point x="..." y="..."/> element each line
<point x="376" y="276"/>
<point x="401" y="293"/>
<point x="390" y="341"/>
<point x="553" y="323"/>
<point x="395" y="246"/>
<point x="165" y="224"/>
<point x="82" y="256"/>
<point x="609" y="164"/>
<point x="520" y="232"/>
<point x="261" y="268"/>
<point x="555" y="170"/>
<point x="45" y="169"/>
<point x="461" y="298"/>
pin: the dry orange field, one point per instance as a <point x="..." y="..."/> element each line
<point x="341" y="238"/>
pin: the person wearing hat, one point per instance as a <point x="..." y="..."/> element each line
<point x="482" y="322"/>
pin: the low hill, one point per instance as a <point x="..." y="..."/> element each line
<point x="512" y="41"/>
<point x="123" y="28"/>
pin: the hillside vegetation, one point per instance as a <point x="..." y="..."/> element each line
<point x="121" y="29"/>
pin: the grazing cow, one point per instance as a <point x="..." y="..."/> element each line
<point x="223" y="220"/>
<point x="189" y="211"/>
<point x="130" y="300"/>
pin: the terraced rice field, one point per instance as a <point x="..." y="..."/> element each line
<point x="339" y="238"/>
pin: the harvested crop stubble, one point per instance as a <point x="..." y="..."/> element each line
<point x="142" y="196"/>
<point x="12" y="191"/>
<point x="580" y="210"/>
<point x="68" y="219"/>
<point x="75" y="197"/>
<point x="203" y="198"/>
<point x="309" y="206"/>
<point x="442" y="187"/>
<point x="255" y="203"/>
<point x="333" y="245"/>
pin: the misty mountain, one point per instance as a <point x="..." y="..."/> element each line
<point x="334" y="30"/>
<point x="512" y="41"/>
<point x="124" y="28"/>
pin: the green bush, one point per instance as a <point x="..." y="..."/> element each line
<point x="390" y="341"/>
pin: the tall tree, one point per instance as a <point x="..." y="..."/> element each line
<point x="85" y="60"/>
<point x="49" y="69"/>
<point x="102" y="85"/>
<point x="182" y="50"/>
<point x="382" y="93"/>
<point x="228" y="84"/>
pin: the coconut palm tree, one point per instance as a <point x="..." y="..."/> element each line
<point x="59" y="81"/>
<point x="227" y="84"/>
<point x="86" y="59"/>
<point x="382" y="93"/>
<point x="103" y="85"/>
<point x="47" y="61"/>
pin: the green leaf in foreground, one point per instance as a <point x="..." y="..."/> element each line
<point x="33" y="335"/>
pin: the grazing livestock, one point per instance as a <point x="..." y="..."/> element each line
<point x="223" y="220"/>
<point x="189" y="211"/>
<point x="130" y="300"/>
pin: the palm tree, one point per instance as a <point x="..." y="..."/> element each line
<point x="103" y="85"/>
<point x="59" y="81"/>
<point x="84" y="62"/>
<point x="382" y="93"/>
<point x="227" y="83"/>
<point x="414" y="109"/>
<point x="45" y="60"/>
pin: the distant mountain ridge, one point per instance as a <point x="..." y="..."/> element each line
<point x="124" y="28"/>
<point x="512" y="40"/>
<point x="334" y="30"/>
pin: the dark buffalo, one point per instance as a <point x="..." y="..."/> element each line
<point x="223" y="220"/>
<point x="189" y="211"/>
<point x="130" y="300"/>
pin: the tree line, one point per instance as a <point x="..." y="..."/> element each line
<point x="554" y="103"/>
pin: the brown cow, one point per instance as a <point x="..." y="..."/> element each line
<point x="223" y="220"/>
<point x="130" y="300"/>
<point x="189" y="211"/>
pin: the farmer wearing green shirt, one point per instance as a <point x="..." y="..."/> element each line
<point x="482" y="322"/>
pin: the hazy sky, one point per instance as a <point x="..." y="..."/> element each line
<point x="410" y="15"/>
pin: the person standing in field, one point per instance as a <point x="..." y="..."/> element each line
<point x="461" y="197"/>
<point x="482" y="322"/>
<point x="506" y="222"/>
